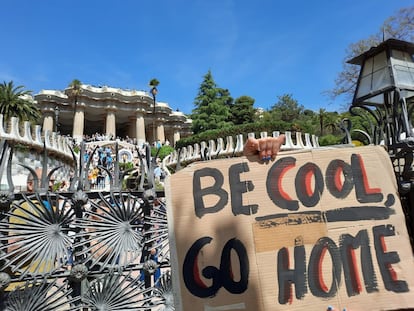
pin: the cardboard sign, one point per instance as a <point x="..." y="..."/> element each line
<point x="309" y="230"/>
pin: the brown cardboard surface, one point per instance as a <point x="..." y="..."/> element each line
<point x="302" y="232"/>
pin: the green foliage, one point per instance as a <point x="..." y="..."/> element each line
<point x="286" y="108"/>
<point x="242" y="110"/>
<point x="154" y="91"/>
<point x="15" y="102"/>
<point x="154" y="82"/>
<point x="164" y="151"/>
<point x="74" y="89"/>
<point x="285" y="115"/>
<point x="125" y="166"/>
<point x="215" y="111"/>
<point x="56" y="186"/>
<point x="159" y="186"/>
<point x="306" y="123"/>
<point x="212" y="106"/>
<point x="329" y="140"/>
<point x="21" y="147"/>
<point x="76" y="149"/>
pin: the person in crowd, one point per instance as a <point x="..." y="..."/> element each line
<point x="95" y="159"/>
<point x="109" y="160"/>
<point x="86" y="157"/>
<point x="159" y="175"/>
<point x="30" y="181"/>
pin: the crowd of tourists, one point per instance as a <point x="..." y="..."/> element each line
<point x="101" y="157"/>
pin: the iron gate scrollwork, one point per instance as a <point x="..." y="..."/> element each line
<point x="82" y="249"/>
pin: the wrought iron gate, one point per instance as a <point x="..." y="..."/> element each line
<point x="81" y="249"/>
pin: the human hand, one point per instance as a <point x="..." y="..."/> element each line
<point x="266" y="148"/>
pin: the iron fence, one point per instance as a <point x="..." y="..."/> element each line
<point x="82" y="249"/>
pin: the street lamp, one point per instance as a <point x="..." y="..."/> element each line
<point x="154" y="92"/>
<point x="57" y="111"/>
<point x="385" y="88"/>
<point x="385" y="92"/>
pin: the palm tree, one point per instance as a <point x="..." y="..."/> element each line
<point x="73" y="92"/>
<point x="321" y="115"/>
<point x="154" y="91"/>
<point x="154" y="83"/>
<point x="16" y="102"/>
<point x="331" y="122"/>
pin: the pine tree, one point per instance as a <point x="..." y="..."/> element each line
<point x="287" y="108"/>
<point x="212" y="106"/>
<point x="242" y="110"/>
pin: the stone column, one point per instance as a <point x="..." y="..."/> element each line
<point x="140" y="128"/>
<point x="110" y="122"/>
<point x="132" y="127"/>
<point x="176" y="136"/>
<point x="48" y="122"/>
<point x="160" y="132"/>
<point x="78" y="123"/>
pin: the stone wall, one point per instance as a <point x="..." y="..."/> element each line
<point x="29" y="149"/>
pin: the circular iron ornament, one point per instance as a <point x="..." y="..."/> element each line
<point x="6" y="199"/>
<point x="78" y="273"/>
<point x="35" y="295"/>
<point x="163" y="293"/>
<point x="157" y="234"/>
<point x="35" y="235"/>
<point x="116" y="291"/>
<point x="4" y="280"/>
<point x="80" y="198"/>
<point x="150" y="266"/>
<point x="110" y="232"/>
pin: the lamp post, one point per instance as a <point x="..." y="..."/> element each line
<point x="57" y="111"/>
<point x="154" y="92"/>
<point x="385" y="89"/>
<point x="384" y="95"/>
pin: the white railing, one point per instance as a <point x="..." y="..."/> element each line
<point x="60" y="145"/>
<point x="227" y="147"/>
<point x="53" y="142"/>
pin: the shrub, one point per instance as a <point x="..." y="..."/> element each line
<point x="329" y="140"/>
<point x="163" y="152"/>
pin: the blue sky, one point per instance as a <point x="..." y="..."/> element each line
<point x="262" y="48"/>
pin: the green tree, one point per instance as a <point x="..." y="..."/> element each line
<point x="331" y="121"/>
<point x="73" y="92"/>
<point x="399" y="26"/>
<point x="286" y="108"/>
<point x="212" y="106"/>
<point x="154" y="83"/>
<point x="322" y="117"/>
<point x="16" y="102"/>
<point x="242" y="110"/>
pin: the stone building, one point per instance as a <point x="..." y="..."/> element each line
<point x="112" y="112"/>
